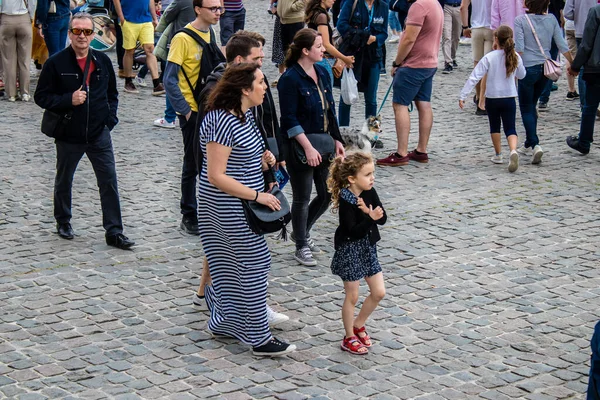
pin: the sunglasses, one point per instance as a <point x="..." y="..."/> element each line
<point x="77" y="31"/>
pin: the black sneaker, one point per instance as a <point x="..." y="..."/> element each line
<point x="572" y="96"/>
<point x="480" y="111"/>
<point x="573" y="142"/>
<point x="189" y="226"/>
<point x="273" y="347"/>
<point x="447" y="68"/>
<point x="542" y="106"/>
<point x="454" y="64"/>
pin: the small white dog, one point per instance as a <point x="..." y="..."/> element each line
<point x="364" y="140"/>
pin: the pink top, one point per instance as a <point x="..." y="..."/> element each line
<point x="428" y="15"/>
<point x="504" y="12"/>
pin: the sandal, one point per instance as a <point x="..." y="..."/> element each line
<point x="365" y="339"/>
<point x="354" y="346"/>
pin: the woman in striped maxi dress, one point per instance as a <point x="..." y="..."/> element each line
<point x="239" y="260"/>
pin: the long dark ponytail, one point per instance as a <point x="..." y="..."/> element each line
<point x="504" y="34"/>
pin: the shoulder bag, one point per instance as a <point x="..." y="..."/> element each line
<point x="322" y="142"/>
<point x="336" y="37"/>
<point x="552" y="68"/>
<point x="56" y="125"/>
<point x="260" y="218"/>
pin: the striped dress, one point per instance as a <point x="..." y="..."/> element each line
<point x="239" y="260"/>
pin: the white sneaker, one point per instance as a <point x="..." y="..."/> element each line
<point x="526" y="151"/>
<point x="139" y="81"/>
<point x="513" y="163"/>
<point x="393" y="39"/>
<point x="12" y="99"/>
<point x="275" y="318"/>
<point x="537" y="154"/>
<point x="163" y="123"/>
<point x="25" y="97"/>
<point x="497" y="159"/>
<point x="304" y="256"/>
<point x="200" y="302"/>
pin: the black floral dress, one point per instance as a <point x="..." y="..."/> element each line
<point x="355" y="256"/>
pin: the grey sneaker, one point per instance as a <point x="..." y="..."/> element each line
<point x="304" y="256"/>
<point x="513" y="163"/>
<point x="274" y="317"/>
<point x="525" y="151"/>
<point x="311" y="244"/>
<point x="537" y="154"/>
<point x="497" y="159"/>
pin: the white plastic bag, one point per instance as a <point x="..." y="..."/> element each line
<point x="349" y="86"/>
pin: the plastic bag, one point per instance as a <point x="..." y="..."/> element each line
<point x="349" y="86"/>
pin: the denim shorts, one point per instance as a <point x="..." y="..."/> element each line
<point x="413" y="84"/>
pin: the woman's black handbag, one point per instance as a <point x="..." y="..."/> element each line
<point x="262" y="220"/>
<point x="322" y="142"/>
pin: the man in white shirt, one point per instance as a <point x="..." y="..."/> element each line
<point x="482" y="39"/>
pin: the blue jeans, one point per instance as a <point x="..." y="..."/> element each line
<point x="370" y="96"/>
<point x="581" y="84"/>
<point x="530" y="90"/>
<point x="55" y="33"/>
<point x="588" y="115"/>
<point x="100" y="154"/>
<point x="230" y="23"/>
<point x="393" y="21"/>
<point x="546" y="93"/>
<point x="169" y="111"/>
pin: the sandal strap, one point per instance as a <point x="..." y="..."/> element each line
<point x="359" y="330"/>
<point x="353" y="342"/>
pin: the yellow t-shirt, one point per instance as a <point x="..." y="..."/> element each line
<point x="187" y="53"/>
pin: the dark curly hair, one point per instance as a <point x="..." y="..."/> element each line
<point x="227" y="95"/>
<point x="339" y="172"/>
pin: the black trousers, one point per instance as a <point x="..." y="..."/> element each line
<point x="100" y="154"/>
<point x="288" y="31"/>
<point x="189" y="172"/>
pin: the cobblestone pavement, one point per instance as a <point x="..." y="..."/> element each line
<point x="492" y="282"/>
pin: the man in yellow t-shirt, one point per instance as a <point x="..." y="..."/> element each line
<point x="185" y="55"/>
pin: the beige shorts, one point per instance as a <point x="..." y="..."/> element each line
<point x="482" y="40"/>
<point x="572" y="42"/>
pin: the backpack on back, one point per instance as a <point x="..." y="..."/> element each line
<point x="211" y="57"/>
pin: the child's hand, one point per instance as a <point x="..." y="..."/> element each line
<point x="461" y="104"/>
<point x="375" y="214"/>
<point x="362" y="206"/>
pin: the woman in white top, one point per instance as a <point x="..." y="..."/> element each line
<point x="501" y="65"/>
<point x="15" y="45"/>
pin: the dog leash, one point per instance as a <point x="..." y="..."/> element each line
<point x="410" y="107"/>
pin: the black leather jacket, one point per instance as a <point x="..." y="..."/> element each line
<point x="61" y="76"/>
<point x="588" y="54"/>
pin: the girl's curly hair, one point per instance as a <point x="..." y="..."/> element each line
<point x="339" y="172"/>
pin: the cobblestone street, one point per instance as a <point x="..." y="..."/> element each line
<point x="492" y="278"/>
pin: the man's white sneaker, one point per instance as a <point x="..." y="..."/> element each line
<point x="513" y="163"/>
<point x="163" y="123"/>
<point x="537" y="154"/>
<point x="275" y="318"/>
<point x="25" y="97"/>
<point x="525" y="151"/>
<point x="139" y="81"/>
<point x="497" y="159"/>
<point x="393" y="39"/>
<point x="304" y="256"/>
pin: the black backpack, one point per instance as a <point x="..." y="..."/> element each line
<point x="211" y="57"/>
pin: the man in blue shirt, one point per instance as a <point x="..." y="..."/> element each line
<point x="138" y="19"/>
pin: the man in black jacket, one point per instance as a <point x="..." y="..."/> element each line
<point x="588" y="57"/>
<point x="92" y="103"/>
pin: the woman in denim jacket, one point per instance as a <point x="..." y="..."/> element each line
<point x="306" y="103"/>
<point x="370" y="17"/>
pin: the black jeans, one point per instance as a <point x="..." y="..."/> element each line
<point x="305" y="212"/>
<point x="100" y="154"/>
<point x="189" y="172"/>
<point x="119" y="44"/>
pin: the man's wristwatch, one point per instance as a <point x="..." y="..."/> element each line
<point x="394" y="65"/>
<point x="465" y="27"/>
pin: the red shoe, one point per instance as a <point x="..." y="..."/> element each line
<point x="354" y="346"/>
<point x="1" y="84"/>
<point x="365" y="339"/>
<point x="419" y="157"/>
<point x="393" y="160"/>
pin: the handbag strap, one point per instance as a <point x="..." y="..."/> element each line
<point x="536" y="36"/>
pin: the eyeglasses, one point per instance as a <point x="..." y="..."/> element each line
<point x="215" y="10"/>
<point x="77" y="31"/>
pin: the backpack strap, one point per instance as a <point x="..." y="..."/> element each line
<point x="202" y="44"/>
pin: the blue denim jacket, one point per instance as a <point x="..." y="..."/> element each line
<point x="360" y="19"/>
<point x="63" y="8"/>
<point x="300" y="103"/>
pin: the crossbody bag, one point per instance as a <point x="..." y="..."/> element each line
<point x="552" y="68"/>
